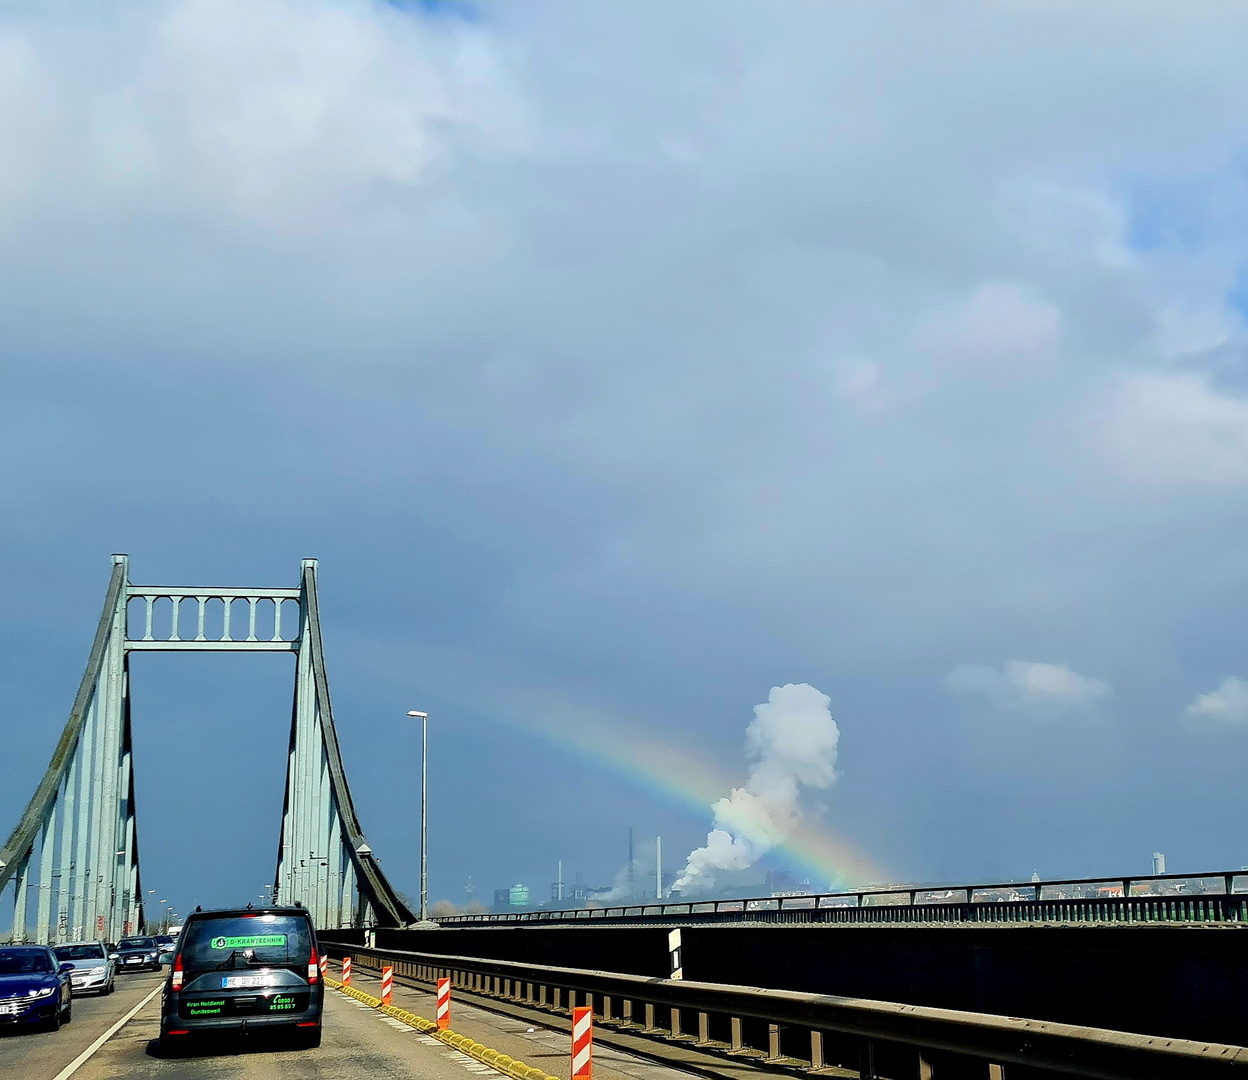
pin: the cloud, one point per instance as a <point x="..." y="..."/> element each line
<point x="1228" y="704"/>
<point x="1030" y="687"/>
<point x="857" y="381"/>
<point x="1000" y="322"/>
<point x="564" y="303"/>
<point x="1177" y="428"/>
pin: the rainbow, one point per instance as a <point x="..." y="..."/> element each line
<point x="676" y="771"/>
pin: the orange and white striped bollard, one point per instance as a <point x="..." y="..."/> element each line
<point x="387" y="985"/>
<point x="444" y="1004"/>
<point x="346" y="971"/>
<point x="582" y="1043"/>
<point x="324" y="965"/>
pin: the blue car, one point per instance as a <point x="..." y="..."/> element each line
<point x="34" y="987"/>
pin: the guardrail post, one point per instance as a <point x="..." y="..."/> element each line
<point x="541" y="996"/>
<point x="606" y="1007"/>
<point x="649" y="1017"/>
<point x="628" y="1012"/>
<point x="704" y="1029"/>
<point x="773" y="1042"/>
<point x="737" y="1042"/>
<point x="816" y="1051"/>
<point x="925" y="1066"/>
<point x="996" y="1072"/>
<point x="558" y="1002"/>
<point x="866" y="1061"/>
<point x="675" y="1022"/>
<point x="571" y="1000"/>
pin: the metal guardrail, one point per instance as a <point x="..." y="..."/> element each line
<point x="815" y="1031"/>
<point x="1217" y="897"/>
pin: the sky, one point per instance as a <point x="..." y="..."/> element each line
<point x="623" y="364"/>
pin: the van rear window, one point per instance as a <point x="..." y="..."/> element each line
<point x="237" y="941"/>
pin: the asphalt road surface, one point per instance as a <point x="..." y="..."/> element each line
<point x="359" y="1043"/>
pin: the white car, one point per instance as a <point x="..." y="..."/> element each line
<point x="94" y="971"/>
<point x="168" y="943"/>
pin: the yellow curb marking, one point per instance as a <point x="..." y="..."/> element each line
<point x="518" y="1070"/>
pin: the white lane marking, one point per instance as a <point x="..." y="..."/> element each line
<point x="398" y="1025"/>
<point x="81" y="1059"/>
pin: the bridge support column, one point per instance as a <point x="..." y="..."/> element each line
<point x="64" y="916"/>
<point x="19" y="900"/>
<point x="47" y="844"/>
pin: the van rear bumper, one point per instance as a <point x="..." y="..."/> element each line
<point x="238" y="1025"/>
<point x="172" y="1020"/>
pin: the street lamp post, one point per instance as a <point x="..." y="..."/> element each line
<point x="423" y="717"/>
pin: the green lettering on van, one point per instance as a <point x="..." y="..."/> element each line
<point x="259" y="941"/>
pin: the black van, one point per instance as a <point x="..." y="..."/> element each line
<point x="244" y="970"/>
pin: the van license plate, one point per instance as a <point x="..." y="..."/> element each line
<point x="232" y="982"/>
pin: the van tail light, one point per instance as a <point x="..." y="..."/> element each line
<point x="176" y="984"/>
<point x="314" y="967"/>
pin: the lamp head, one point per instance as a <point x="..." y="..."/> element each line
<point x="419" y="715"/>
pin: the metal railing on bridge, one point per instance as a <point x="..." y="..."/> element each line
<point x="1217" y="897"/>
<point x="822" y="1033"/>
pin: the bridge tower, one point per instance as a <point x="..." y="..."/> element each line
<point x="74" y="855"/>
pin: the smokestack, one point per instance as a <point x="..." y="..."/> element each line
<point x="631" y="890"/>
<point x="658" y="868"/>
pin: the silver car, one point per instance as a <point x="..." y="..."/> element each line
<point x="94" y="970"/>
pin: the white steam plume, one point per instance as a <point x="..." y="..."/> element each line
<point x="790" y="744"/>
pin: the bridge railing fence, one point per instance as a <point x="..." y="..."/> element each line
<point x="812" y="1032"/>
<point x="1210" y="897"/>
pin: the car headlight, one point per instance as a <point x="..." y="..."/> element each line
<point x="152" y="955"/>
<point x="47" y="991"/>
<point x="96" y="970"/>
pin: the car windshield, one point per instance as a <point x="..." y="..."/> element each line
<point x="80" y="952"/>
<point x="163" y="939"/>
<point x="137" y="943"/>
<point x="24" y="962"/>
<point x="237" y="941"/>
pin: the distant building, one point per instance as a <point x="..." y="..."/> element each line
<point x="502" y="899"/>
<point x="1159" y="863"/>
<point x="518" y="896"/>
<point x="782" y="883"/>
<point x="779" y="881"/>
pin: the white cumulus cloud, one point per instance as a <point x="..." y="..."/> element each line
<point x="1227" y="704"/>
<point x="1030" y="687"/>
<point x="1176" y="427"/>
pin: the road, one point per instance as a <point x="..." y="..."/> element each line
<point x="359" y="1044"/>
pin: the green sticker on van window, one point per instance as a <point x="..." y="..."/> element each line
<point x="259" y="941"/>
